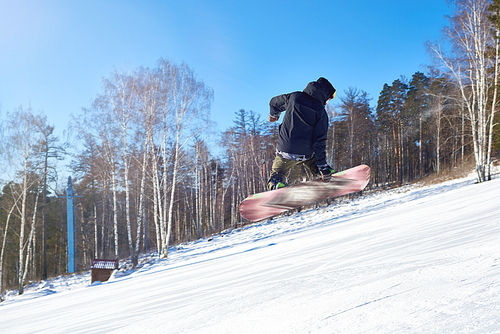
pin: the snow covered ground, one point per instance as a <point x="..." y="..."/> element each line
<point x="412" y="260"/>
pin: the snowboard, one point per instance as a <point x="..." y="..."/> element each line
<point x="270" y="203"/>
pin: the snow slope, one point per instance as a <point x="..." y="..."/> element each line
<point x="414" y="260"/>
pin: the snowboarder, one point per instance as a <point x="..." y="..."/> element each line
<point x="303" y="132"/>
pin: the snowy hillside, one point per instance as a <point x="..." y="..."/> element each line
<point x="413" y="260"/>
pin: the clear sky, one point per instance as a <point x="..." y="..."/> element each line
<point x="54" y="53"/>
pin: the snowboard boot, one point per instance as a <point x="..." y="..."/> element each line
<point x="275" y="182"/>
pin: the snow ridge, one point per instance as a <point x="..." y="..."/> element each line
<point x="409" y="260"/>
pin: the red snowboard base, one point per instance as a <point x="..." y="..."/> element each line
<point x="270" y="203"/>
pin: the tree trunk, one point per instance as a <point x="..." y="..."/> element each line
<point x="493" y="105"/>
<point x="4" y="242"/>
<point x="115" y="214"/>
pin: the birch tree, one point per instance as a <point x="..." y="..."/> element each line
<point x="121" y="94"/>
<point x="191" y="104"/>
<point x="470" y="35"/>
<point x="23" y="158"/>
<point x="97" y="134"/>
<point x="4" y="239"/>
<point x="148" y="106"/>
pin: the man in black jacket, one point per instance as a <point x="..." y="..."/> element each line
<point x="303" y="132"/>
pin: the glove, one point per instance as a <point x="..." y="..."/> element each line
<point x="273" y="119"/>
<point x="326" y="173"/>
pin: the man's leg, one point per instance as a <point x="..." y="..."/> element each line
<point x="311" y="165"/>
<point x="279" y="170"/>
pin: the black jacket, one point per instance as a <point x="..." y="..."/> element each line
<point x="305" y="124"/>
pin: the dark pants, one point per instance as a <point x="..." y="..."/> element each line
<point x="281" y="167"/>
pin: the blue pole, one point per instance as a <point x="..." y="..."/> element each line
<point x="71" y="233"/>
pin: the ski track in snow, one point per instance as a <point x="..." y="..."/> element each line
<point x="409" y="260"/>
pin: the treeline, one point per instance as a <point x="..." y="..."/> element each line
<point x="148" y="177"/>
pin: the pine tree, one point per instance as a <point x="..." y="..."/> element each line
<point x="416" y="105"/>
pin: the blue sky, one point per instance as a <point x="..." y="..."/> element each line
<point x="54" y="54"/>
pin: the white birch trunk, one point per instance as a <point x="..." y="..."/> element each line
<point x="172" y="194"/>
<point x="96" y="232"/>
<point x="30" y="239"/>
<point x="127" y="194"/>
<point x="141" y="200"/>
<point x="156" y="201"/>
<point x="21" y="233"/>
<point x="115" y="214"/>
<point x="4" y="242"/>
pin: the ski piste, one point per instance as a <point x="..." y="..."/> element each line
<point x="270" y="203"/>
